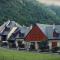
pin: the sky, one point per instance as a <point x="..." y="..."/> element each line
<point x="50" y="2"/>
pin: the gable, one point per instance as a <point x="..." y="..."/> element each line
<point x="35" y="34"/>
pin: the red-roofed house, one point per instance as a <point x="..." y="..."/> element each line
<point x="35" y="36"/>
<point x="49" y="34"/>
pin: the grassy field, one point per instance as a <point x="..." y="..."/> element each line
<point x="6" y="54"/>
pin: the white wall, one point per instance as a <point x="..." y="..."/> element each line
<point x="58" y="43"/>
<point x="50" y="44"/>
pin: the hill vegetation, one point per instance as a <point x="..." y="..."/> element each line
<point x="56" y="9"/>
<point x="27" y="12"/>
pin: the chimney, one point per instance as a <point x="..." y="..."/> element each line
<point x="53" y="26"/>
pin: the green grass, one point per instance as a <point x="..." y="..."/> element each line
<point x="6" y="54"/>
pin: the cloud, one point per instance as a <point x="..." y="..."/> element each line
<point x="50" y="2"/>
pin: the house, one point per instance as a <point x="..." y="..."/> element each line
<point x="35" y="36"/>
<point x="7" y="30"/>
<point x="12" y="34"/>
<point x="20" y="43"/>
<point x="48" y="34"/>
<point x="54" y="38"/>
<point x="53" y="34"/>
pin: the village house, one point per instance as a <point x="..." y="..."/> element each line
<point x="12" y="34"/>
<point x="36" y="37"/>
<point x="6" y="31"/>
<point x="43" y="36"/>
<point x="20" y="42"/>
<point x="54" y="37"/>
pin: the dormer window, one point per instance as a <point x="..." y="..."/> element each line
<point x="55" y="34"/>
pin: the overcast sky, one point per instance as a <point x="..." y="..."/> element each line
<point x="49" y="2"/>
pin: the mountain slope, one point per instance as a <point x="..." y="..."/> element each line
<point x="56" y="9"/>
<point x="26" y="12"/>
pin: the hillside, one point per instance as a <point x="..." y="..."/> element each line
<point x="56" y="9"/>
<point x="26" y="12"/>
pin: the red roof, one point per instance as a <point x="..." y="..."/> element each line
<point x="35" y="34"/>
